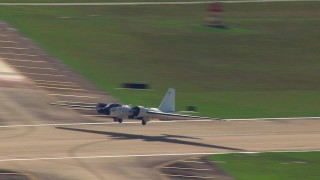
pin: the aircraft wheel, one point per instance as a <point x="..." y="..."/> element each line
<point x="144" y="122"/>
<point x="120" y="120"/>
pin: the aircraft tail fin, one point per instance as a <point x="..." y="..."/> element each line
<point x="169" y="101"/>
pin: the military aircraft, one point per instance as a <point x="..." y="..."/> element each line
<point x="119" y="112"/>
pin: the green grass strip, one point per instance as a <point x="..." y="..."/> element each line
<point x="265" y="64"/>
<point x="266" y="166"/>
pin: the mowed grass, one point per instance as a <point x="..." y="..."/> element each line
<point x="88" y="1"/>
<point x="265" y="64"/>
<point x="265" y="166"/>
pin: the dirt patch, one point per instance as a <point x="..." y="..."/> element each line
<point x="193" y="168"/>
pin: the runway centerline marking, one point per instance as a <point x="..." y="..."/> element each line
<point x="139" y="155"/>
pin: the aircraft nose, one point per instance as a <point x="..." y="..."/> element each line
<point x="103" y="109"/>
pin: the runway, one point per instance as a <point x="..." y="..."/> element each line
<point x="49" y="142"/>
<point x="129" y="150"/>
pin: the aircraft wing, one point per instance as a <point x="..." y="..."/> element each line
<point x="180" y="115"/>
<point x="74" y="105"/>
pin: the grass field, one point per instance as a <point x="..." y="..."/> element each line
<point x="266" y="64"/>
<point x="266" y="166"/>
<point x="86" y="1"/>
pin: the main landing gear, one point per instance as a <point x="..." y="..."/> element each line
<point x="117" y="120"/>
<point x="143" y="121"/>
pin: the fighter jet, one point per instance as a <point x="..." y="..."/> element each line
<point x="119" y="112"/>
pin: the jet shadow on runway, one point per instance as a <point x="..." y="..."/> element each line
<point x="164" y="138"/>
<point x="178" y="136"/>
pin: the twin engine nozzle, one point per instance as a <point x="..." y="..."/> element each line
<point x="134" y="112"/>
<point x="138" y="112"/>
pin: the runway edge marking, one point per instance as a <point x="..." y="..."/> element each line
<point x="141" y="155"/>
<point x="103" y="123"/>
<point x="138" y="122"/>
